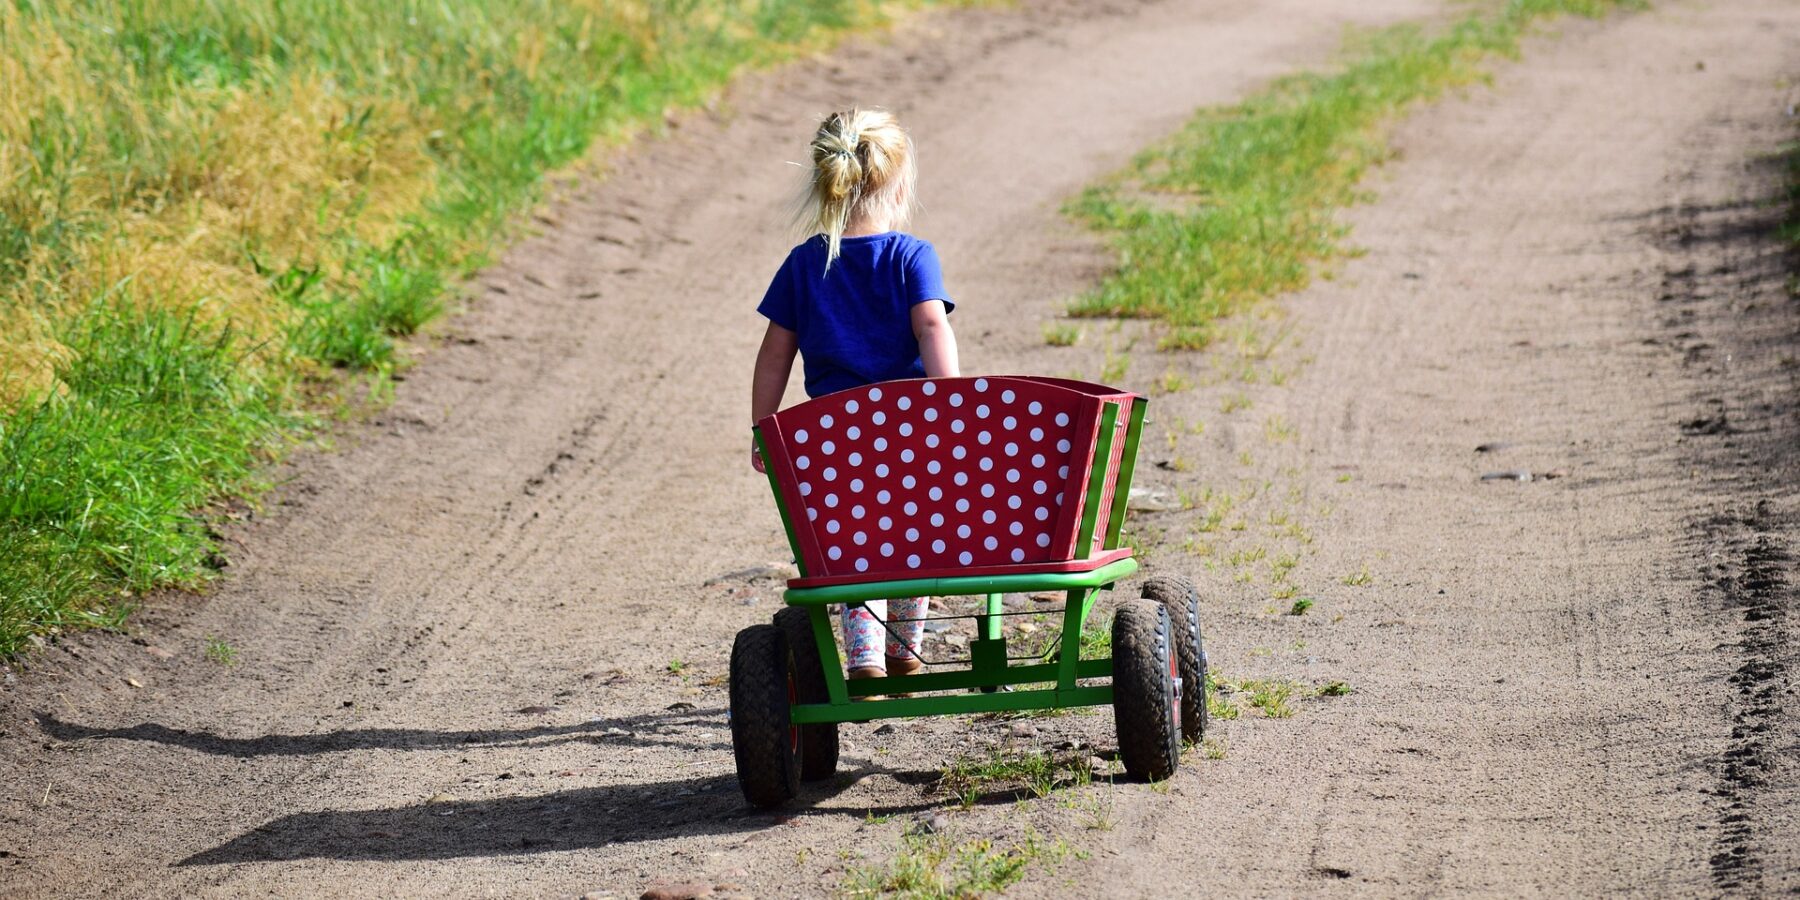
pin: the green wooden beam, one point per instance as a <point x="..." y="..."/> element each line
<point x="962" y="585"/>
<point x="906" y="707"/>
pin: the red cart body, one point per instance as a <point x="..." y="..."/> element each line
<point x="952" y="477"/>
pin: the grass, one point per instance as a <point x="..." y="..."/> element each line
<point x="937" y="865"/>
<point x="1240" y="205"/>
<point x="1061" y="334"/>
<point x="209" y="210"/>
<point x="1037" y="772"/>
<point x="1334" y="689"/>
<point x="1272" y="696"/>
<point x="221" y="652"/>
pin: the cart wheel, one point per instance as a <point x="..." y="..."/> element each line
<point x="818" y="743"/>
<point x="1178" y="596"/>
<point x="765" y="740"/>
<point x="1146" y="701"/>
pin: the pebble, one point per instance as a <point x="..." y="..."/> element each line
<point x="686" y="890"/>
<point x="887" y="728"/>
<point x="1515" y="475"/>
<point x="930" y="823"/>
<point x="1022" y="730"/>
<point x="1150" y="500"/>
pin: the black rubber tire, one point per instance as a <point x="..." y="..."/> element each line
<point x="1179" y="596"/>
<point x="762" y="736"/>
<point x="1146" y="707"/>
<point x="818" y="743"/>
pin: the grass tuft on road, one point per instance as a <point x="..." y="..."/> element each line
<point x="209" y="212"/>
<point x="1242" y="203"/>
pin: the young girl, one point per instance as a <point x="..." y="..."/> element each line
<point x="860" y="302"/>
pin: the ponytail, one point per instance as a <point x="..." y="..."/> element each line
<point x="862" y="163"/>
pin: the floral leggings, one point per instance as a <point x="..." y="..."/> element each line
<point x="866" y="641"/>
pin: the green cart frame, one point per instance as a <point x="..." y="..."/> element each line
<point x="788" y="688"/>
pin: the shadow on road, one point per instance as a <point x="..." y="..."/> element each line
<point x="647" y="730"/>
<point x="565" y="820"/>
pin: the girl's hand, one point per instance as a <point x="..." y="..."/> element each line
<point x="755" y="457"/>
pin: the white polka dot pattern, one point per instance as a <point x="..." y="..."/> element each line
<point x="939" y="475"/>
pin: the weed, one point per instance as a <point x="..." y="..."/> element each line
<point x="1281" y="566"/>
<point x="1269" y="695"/>
<point x="1344" y="478"/>
<point x="676" y="666"/>
<point x="1358" y="578"/>
<point x="1061" y="334"/>
<point x="1300" y="606"/>
<point x="1173" y="382"/>
<point x="1113" y="369"/>
<point x="1334" y="689"/>
<point x="1234" y="402"/>
<point x="220" y="652"/>
<point x="1218" y="706"/>
<point x="1284" y="592"/>
<point x="939" y="866"/>
<point x="1243" y="558"/>
<point x="1031" y="774"/>
<point x="1277" y="429"/>
<point x="1213" y="748"/>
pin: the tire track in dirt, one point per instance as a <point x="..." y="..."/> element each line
<point x="1727" y="312"/>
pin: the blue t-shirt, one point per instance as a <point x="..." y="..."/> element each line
<point x="855" y="321"/>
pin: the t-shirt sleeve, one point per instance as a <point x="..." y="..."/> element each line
<point x="780" y="302"/>
<point x="925" y="277"/>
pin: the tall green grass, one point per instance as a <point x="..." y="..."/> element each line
<point x="207" y="207"/>
<point x="1241" y="204"/>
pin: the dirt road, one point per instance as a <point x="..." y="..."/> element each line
<point x="477" y="649"/>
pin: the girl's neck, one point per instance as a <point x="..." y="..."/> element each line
<point x="863" y="227"/>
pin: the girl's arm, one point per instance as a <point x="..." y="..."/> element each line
<point x="937" y="343"/>
<point x="774" y="362"/>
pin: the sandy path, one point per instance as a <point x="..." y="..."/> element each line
<point x="531" y="524"/>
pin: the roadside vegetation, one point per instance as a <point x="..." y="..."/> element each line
<point x="1241" y="204"/>
<point x="216" y="217"/>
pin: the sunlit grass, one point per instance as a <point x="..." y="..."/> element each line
<point x="207" y="207"/>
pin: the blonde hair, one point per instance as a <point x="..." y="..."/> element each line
<point x="862" y="166"/>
